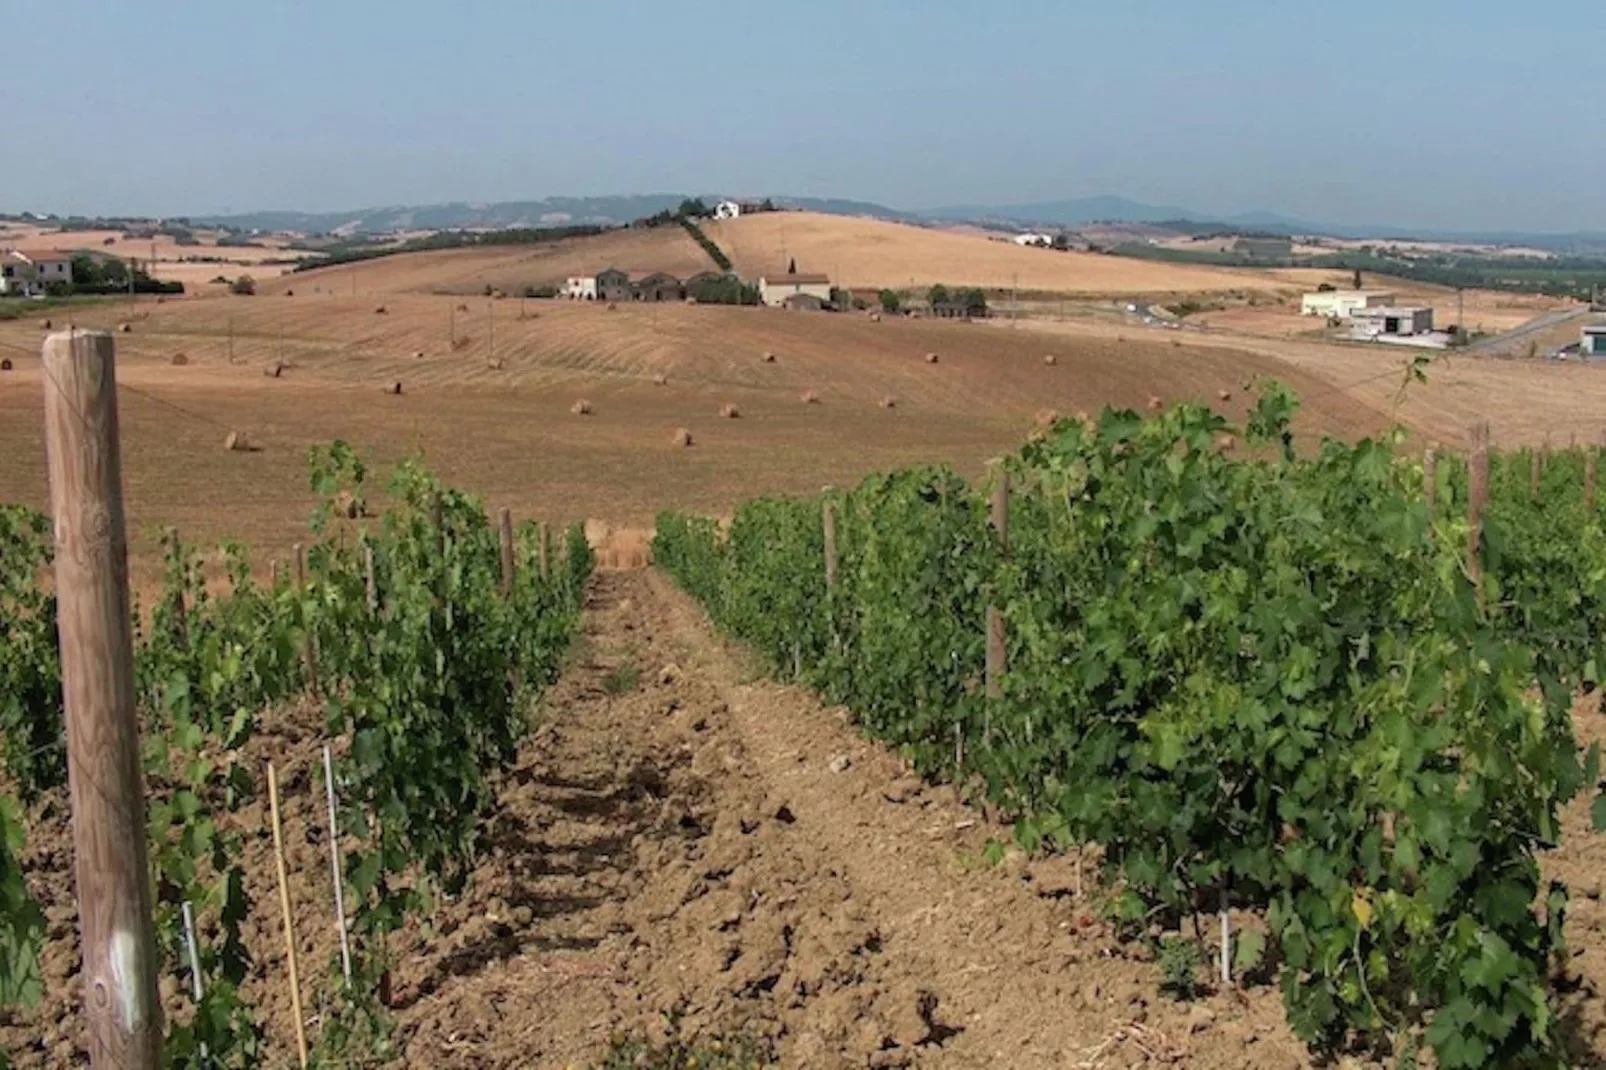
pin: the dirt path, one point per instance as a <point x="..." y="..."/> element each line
<point x="682" y="836"/>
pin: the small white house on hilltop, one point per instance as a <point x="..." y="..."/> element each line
<point x="775" y="289"/>
<point x="727" y="210"/>
<point x="1040" y="240"/>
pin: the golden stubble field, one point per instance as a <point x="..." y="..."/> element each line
<point x="508" y="434"/>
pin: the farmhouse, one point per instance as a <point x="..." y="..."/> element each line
<point x="1042" y="241"/>
<point x="727" y="210"/>
<point x="1594" y="339"/>
<point x="803" y="302"/>
<point x="29" y="271"/>
<point x="1391" y="321"/>
<point x="775" y="289"/>
<point x="613" y="285"/>
<point x="581" y="288"/>
<point x="657" y="286"/>
<point x="1343" y="303"/>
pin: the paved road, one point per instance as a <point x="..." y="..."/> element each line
<point x="1516" y="340"/>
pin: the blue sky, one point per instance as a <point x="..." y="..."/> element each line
<point x="1430" y="113"/>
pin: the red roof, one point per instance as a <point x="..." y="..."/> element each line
<point x="36" y="255"/>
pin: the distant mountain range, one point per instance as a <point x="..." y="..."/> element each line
<point x="1074" y="212"/>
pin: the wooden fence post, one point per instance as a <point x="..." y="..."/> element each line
<point x="1430" y="479"/>
<point x="180" y="611"/>
<point x="1477" y="497"/>
<point x="830" y="545"/>
<point x="123" y="1016"/>
<point x="997" y="652"/>
<point x="506" y="519"/>
<point x="309" y="651"/>
<point x="1591" y="459"/>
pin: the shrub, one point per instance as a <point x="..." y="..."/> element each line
<point x="244" y="286"/>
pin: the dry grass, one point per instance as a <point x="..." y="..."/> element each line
<point x="874" y="253"/>
<point x="475" y="426"/>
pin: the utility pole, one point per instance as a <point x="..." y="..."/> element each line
<point x="122" y="1015"/>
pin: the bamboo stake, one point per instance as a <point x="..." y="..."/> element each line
<point x="197" y="985"/>
<point x="1226" y="941"/>
<point x="334" y="863"/>
<point x="289" y="921"/>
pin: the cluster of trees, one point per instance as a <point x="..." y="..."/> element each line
<point x="725" y="290"/>
<point x="974" y="299"/>
<point x="446" y="239"/>
<point x="109" y="275"/>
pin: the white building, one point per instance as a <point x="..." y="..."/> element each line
<point x="775" y="289"/>
<point x="1594" y="340"/>
<point x="1369" y="324"/>
<point x="1043" y="240"/>
<point x="29" y="271"/>
<point x="727" y="210"/>
<point x="581" y="288"/>
<point x="1341" y="304"/>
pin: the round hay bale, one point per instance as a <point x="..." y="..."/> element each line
<point x="581" y="408"/>
<point x="289" y="293"/>
<point x="179" y="360"/>
<point x="45" y="324"/>
<point x="889" y="402"/>
<point x="875" y="317"/>
<point x="1224" y="395"/>
<point x="495" y="364"/>
<point x="1051" y="360"/>
<point x="394" y="388"/>
<point x="418" y="354"/>
<point x="497" y="295"/>
<point x="1155" y="404"/>
<point x="931" y="358"/>
<point x="5" y="365"/>
<point x="660" y="379"/>
<point x="682" y="437"/>
<point x="236" y="442"/>
<point x="273" y="371"/>
<point x="769" y="358"/>
<point x="729" y="411"/>
<point x="381" y="310"/>
<point x="811" y="398"/>
<point x="125" y="328"/>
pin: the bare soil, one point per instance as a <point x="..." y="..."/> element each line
<point x="682" y="839"/>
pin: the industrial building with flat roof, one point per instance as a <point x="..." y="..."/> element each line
<point x="1594" y="339"/>
<point x="1398" y="321"/>
<point x="1341" y="304"/>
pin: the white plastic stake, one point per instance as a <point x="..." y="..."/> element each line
<point x="334" y="862"/>
<point x="197" y="987"/>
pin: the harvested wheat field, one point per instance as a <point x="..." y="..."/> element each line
<point x="509" y="268"/>
<point x="866" y="253"/>
<point x="507" y="433"/>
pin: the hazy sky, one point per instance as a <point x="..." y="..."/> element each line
<point x="1464" y="114"/>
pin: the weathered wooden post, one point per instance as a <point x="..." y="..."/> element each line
<point x="1591" y="459"/>
<point x="1430" y="479"/>
<point x="123" y="1016"/>
<point x="997" y="653"/>
<point x="829" y="520"/>
<point x="1477" y="498"/>
<point x="309" y="649"/>
<point x="506" y="518"/>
